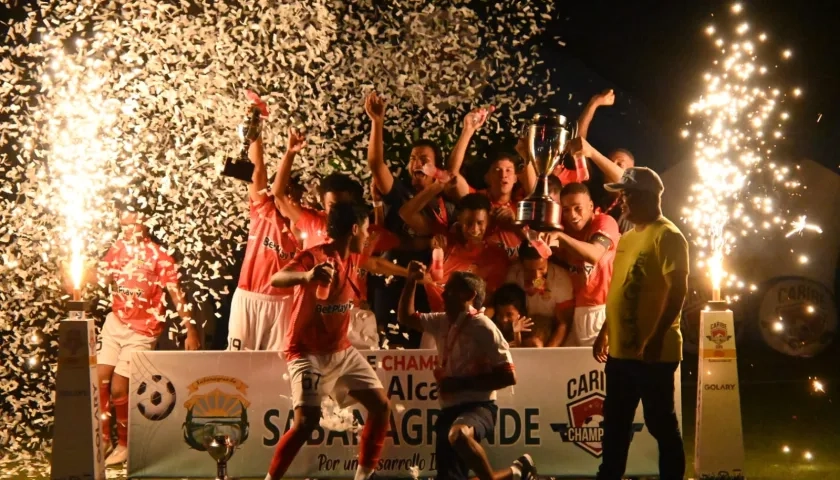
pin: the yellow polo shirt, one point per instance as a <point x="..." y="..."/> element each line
<point x="638" y="292"/>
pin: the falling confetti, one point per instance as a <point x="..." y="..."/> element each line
<point x="140" y="99"/>
<point x="738" y="182"/>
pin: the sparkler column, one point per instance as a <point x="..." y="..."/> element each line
<point x="718" y="442"/>
<point x="77" y="435"/>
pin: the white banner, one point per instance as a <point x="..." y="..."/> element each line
<point x="178" y="398"/>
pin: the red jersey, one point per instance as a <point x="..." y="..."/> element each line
<point x="313" y="226"/>
<point x="488" y="261"/>
<point x="567" y="175"/>
<point x="271" y="245"/>
<point x="320" y="327"/>
<point x="592" y="282"/>
<point x="140" y="271"/>
<point x="506" y="238"/>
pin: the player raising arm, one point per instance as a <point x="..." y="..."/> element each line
<point x="319" y="356"/>
<point x="473" y="362"/>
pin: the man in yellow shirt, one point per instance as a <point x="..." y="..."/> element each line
<point x="641" y="340"/>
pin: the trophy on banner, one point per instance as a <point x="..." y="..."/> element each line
<point x="547" y="137"/>
<point x="221" y="448"/>
<point x="240" y="167"/>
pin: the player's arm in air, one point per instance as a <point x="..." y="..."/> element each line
<point x="612" y="172"/>
<point x="381" y="266"/>
<point x="382" y="176"/>
<point x="288" y="208"/>
<point x="185" y="312"/>
<point x="378" y="206"/>
<point x="472" y="122"/>
<point x="603" y="99"/>
<point x="406" y="315"/>
<point x="259" y="180"/>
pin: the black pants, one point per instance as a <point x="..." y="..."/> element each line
<point x="481" y="416"/>
<point x="629" y="381"/>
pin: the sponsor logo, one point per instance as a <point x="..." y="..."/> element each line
<point x="272" y="245"/>
<point x="333" y="308"/>
<point x="217" y="405"/>
<point x="719" y="335"/>
<point x="585" y="410"/>
<point x="130" y="292"/>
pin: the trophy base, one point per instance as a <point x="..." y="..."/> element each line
<point x="541" y="214"/>
<point x="242" y="170"/>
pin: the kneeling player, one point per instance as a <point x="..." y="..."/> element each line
<point x="473" y="362"/>
<point x="319" y="356"/>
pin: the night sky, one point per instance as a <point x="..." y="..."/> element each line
<point x="655" y="52"/>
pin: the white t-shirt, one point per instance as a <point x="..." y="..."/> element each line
<point x="558" y="293"/>
<point x="475" y="346"/>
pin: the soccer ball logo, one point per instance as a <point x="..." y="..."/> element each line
<point x="155" y="397"/>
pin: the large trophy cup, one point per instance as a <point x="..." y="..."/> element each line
<point x="547" y="137"/>
<point x="240" y="167"/>
<point x="221" y="448"/>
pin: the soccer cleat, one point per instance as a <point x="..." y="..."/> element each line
<point x="119" y="456"/>
<point x="526" y="465"/>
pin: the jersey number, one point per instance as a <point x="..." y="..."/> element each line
<point x="235" y="344"/>
<point x="307" y="382"/>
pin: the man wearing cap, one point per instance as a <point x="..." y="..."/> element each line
<point x="641" y="341"/>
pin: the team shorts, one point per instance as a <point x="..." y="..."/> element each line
<point x="335" y="374"/>
<point x="116" y="342"/>
<point x="481" y="416"/>
<point x="587" y="324"/>
<point x="258" y="321"/>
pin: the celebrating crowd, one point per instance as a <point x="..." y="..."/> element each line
<point x="437" y="263"/>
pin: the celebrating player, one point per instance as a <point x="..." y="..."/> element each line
<point x="587" y="248"/>
<point x="473" y="362"/>
<point x="259" y="312"/>
<point x="501" y="178"/>
<point x="425" y="159"/>
<point x="319" y="356"/>
<point x="137" y="270"/>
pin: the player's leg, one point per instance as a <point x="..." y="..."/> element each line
<point x="242" y="323"/>
<point x="468" y="429"/>
<point x="130" y="342"/>
<point x="274" y="323"/>
<point x="107" y="356"/>
<point x="363" y="385"/>
<point x="307" y="383"/>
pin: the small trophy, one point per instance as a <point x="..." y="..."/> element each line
<point x="241" y="167"/>
<point x="547" y="137"/>
<point x="221" y="448"/>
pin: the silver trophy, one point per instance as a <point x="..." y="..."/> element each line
<point x="221" y="448"/>
<point x="547" y="137"/>
<point x="241" y="168"/>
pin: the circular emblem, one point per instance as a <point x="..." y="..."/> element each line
<point x="798" y="317"/>
<point x="700" y="294"/>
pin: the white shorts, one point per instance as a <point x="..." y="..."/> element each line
<point x="587" y="324"/>
<point x="336" y="374"/>
<point x="116" y="342"/>
<point x="363" y="330"/>
<point x="258" y="321"/>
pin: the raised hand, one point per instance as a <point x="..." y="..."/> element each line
<point x="416" y="271"/>
<point x="579" y="147"/>
<point x="296" y="141"/>
<point x="522" y="324"/>
<point x="605" y="98"/>
<point x="476" y="118"/>
<point x="375" y="107"/>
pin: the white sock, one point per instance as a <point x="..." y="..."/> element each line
<point x="363" y="473"/>
<point x="517" y="473"/>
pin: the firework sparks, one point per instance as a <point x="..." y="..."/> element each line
<point x="800" y="225"/>
<point x="737" y="120"/>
